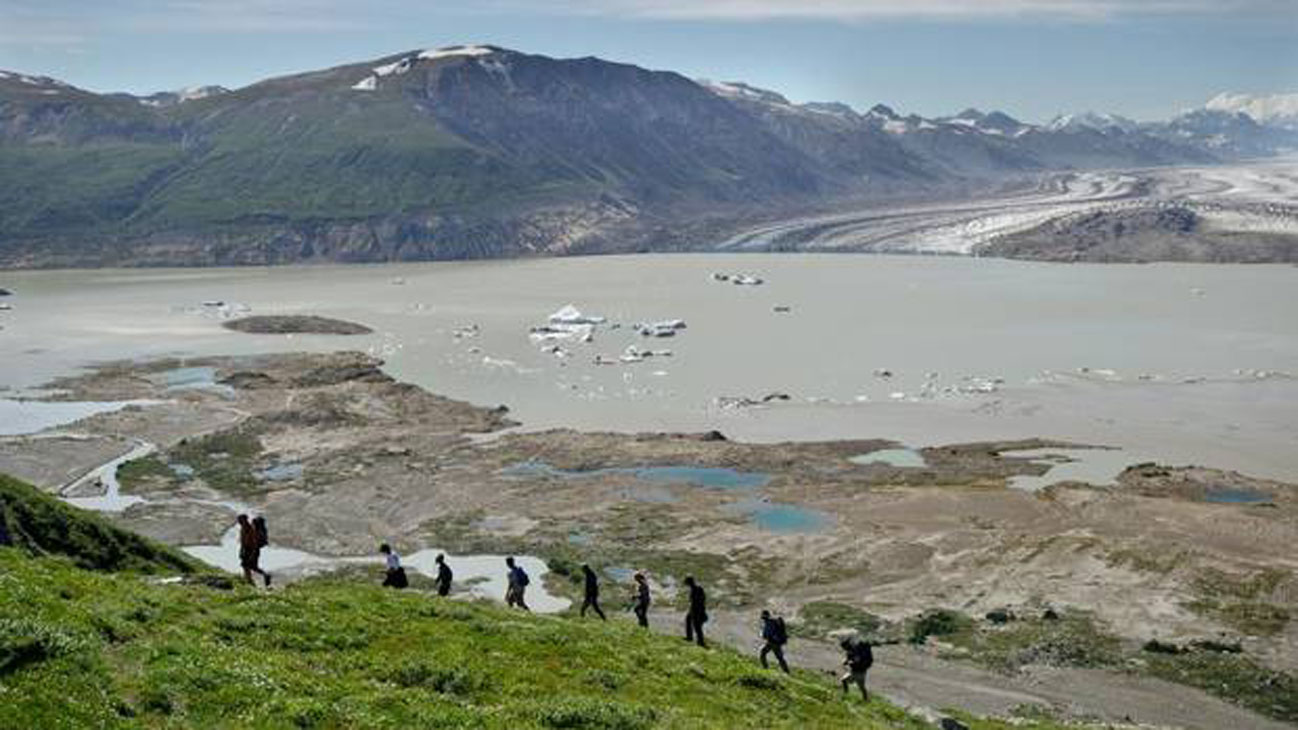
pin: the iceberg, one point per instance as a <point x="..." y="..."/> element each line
<point x="568" y="314"/>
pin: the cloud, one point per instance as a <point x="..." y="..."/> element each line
<point x="861" y="10"/>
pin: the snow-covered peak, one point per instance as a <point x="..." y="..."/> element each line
<point x="194" y="93"/>
<point x="739" y="90"/>
<point x="1091" y="121"/>
<point x="180" y="96"/>
<point x="433" y="54"/>
<point x="1275" y="108"/>
<point x="832" y="108"/>
<point x="406" y="63"/>
<point x="40" y="81"/>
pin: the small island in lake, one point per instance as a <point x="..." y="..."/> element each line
<point x="300" y="324"/>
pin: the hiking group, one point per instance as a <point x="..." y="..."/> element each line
<point x="858" y="653"/>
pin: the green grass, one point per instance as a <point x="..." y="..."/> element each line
<point x="83" y="649"/>
<point x="40" y="525"/>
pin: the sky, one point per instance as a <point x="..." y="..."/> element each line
<point x="1147" y="59"/>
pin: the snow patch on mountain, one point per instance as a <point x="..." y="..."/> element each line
<point x="1092" y="121"/>
<point x="369" y="83"/>
<point x="1281" y="108"/>
<point x="434" y="54"/>
<point x="34" y="80"/>
<point x="739" y="90"/>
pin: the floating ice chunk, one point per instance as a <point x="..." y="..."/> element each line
<point x="569" y="314"/>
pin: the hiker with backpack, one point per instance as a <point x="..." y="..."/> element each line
<point x="774" y="635"/>
<point x="396" y="575"/>
<point x="444" y="576"/>
<point x="697" y="613"/>
<point x="859" y="659"/>
<point x="591" y="599"/>
<point x="518" y="581"/>
<point x="252" y="538"/>
<point x="642" y="600"/>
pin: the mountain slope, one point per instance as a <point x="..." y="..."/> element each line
<point x="96" y="648"/>
<point x="39" y="524"/>
<point x="479" y="151"/>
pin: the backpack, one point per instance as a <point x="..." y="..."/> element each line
<point x="862" y="656"/>
<point x="259" y="527"/>
<point x="523" y="580"/>
<point x="779" y="632"/>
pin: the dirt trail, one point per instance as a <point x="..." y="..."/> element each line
<point x="912" y="678"/>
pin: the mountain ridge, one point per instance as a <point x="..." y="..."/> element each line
<point x="480" y="151"/>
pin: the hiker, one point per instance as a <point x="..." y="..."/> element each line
<point x="396" y="575"/>
<point x="697" y="614"/>
<point x="518" y="580"/>
<point x="592" y="593"/>
<point x="859" y="659"/>
<point x="444" y="576"/>
<point x="252" y="538"/>
<point x="774" y="635"/>
<point x="642" y="600"/>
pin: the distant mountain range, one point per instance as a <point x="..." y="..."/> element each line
<point x="479" y="151"/>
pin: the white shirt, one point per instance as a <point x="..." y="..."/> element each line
<point x="394" y="561"/>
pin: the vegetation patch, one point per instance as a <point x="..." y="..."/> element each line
<point x="295" y="324"/>
<point x="147" y="473"/>
<point x="1242" y="602"/>
<point x="1231" y="676"/>
<point x="1070" y="639"/>
<point x="817" y="619"/>
<point x="225" y="460"/>
<point x="938" y="622"/>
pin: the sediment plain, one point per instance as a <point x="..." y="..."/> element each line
<point x="340" y="456"/>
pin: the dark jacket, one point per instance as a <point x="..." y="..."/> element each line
<point x="698" y="602"/>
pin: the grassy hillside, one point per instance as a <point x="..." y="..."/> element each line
<point x="89" y="649"/>
<point x="83" y="647"/>
<point x="38" y="524"/>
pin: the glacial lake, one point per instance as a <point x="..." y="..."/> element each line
<point x="1175" y="363"/>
